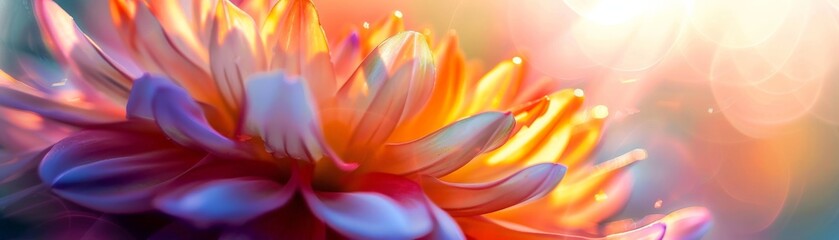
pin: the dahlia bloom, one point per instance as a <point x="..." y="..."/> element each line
<point x="235" y="118"/>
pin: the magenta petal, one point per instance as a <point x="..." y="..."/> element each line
<point x="115" y="172"/>
<point x="178" y="115"/>
<point x="465" y="199"/>
<point x="226" y="201"/>
<point x="450" y="148"/>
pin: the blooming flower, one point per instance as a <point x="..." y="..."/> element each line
<point x="236" y="116"/>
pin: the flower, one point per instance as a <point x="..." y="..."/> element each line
<point x="255" y="129"/>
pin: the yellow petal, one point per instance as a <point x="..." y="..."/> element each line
<point x="449" y="93"/>
<point x="497" y="89"/>
<point x="540" y="142"/>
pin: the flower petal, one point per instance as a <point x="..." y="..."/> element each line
<point x="687" y="224"/>
<point x="485" y="228"/>
<point x="346" y="57"/>
<point x="236" y="51"/>
<point x="297" y="43"/>
<point x="392" y="85"/>
<point x="449" y="148"/>
<point x="21" y="97"/>
<point x="225" y="201"/>
<point x="162" y="52"/>
<point x="156" y="98"/>
<point x="545" y="138"/>
<point x="384" y="207"/>
<point x="77" y="50"/>
<point x="282" y="112"/>
<point x="115" y="172"/>
<point x="381" y="31"/>
<point x="497" y="89"/>
<point x="461" y="199"/>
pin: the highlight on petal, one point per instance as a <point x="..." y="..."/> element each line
<point x="392" y="85"/>
<point x="464" y="199"/>
<point x="452" y="86"/>
<point x="449" y="148"/>
<point x="161" y="52"/>
<point x="179" y="116"/>
<point x="297" y="45"/>
<point x="283" y="113"/>
<point x="374" y="35"/>
<point x="236" y="51"/>
<point x="19" y="96"/>
<point x="85" y="58"/>
<point x="113" y="171"/>
<point x="230" y="201"/>
<point x="384" y="207"/>
<point x="687" y="224"/>
<point x="497" y="89"/>
<point x="545" y="138"/>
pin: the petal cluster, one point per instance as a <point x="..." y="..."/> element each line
<point x="235" y="115"/>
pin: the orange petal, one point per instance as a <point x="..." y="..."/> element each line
<point x="346" y="57"/>
<point x="156" y="52"/>
<point x="542" y="141"/>
<point x="187" y="25"/>
<point x="498" y="88"/>
<point x="235" y="52"/>
<point x="383" y="29"/>
<point x="297" y="44"/>
<point x="449" y="95"/>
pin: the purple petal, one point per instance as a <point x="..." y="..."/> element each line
<point x="226" y="201"/>
<point x="179" y="116"/>
<point x="461" y="199"/>
<point x="449" y="148"/>
<point x="385" y="207"/>
<point x="111" y="171"/>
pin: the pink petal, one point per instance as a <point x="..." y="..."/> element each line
<point x="156" y="98"/>
<point x="76" y="50"/>
<point x="346" y="57"/>
<point x="282" y="112"/>
<point x="17" y="97"/>
<point x="449" y="148"/>
<point x="461" y="199"/>
<point x="116" y="172"/>
<point x="687" y="224"/>
<point x="298" y="46"/>
<point x="391" y="85"/>
<point x="232" y="201"/>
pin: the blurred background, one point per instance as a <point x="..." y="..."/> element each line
<point x="735" y="100"/>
